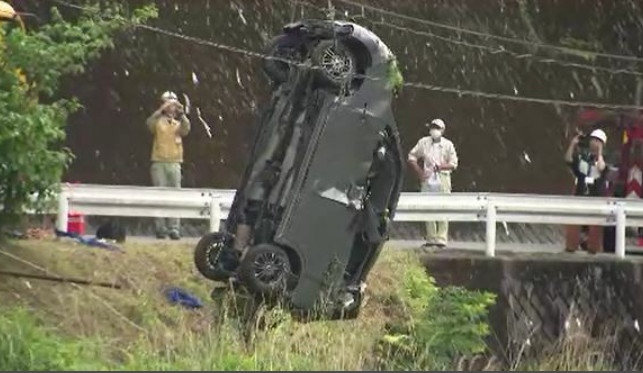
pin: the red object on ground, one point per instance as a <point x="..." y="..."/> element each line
<point x="76" y="223"/>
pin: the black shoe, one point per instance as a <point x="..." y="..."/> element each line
<point x="175" y="236"/>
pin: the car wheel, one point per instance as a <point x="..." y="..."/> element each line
<point x="266" y="270"/>
<point x="336" y="63"/>
<point x="282" y="47"/>
<point x="207" y="256"/>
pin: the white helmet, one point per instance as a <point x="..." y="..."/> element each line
<point x="6" y="10"/>
<point x="169" y="96"/>
<point x="437" y="122"/>
<point x="599" y="134"/>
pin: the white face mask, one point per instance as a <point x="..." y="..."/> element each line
<point x="436" y="134"/>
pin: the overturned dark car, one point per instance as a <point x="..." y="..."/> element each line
<point x="314" y="207"/>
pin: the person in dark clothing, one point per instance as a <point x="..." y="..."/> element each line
<point x="589" y="168"/>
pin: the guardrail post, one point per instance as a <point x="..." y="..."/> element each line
<point x="620" y="231"/>
<point x="215" y="214"/>
<point x="491" y="229"/>
<point x="63" y="212"/>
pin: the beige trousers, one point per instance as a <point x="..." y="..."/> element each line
<point x="437" y="232"/>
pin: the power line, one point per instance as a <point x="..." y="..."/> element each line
<point x="238" y="50"/>
<point x="505" y="97"/>
<point x="415" y="85"/>
<point x="567" y="50"/>
<point x="516" y="55"/>
<point x="490" y="49"/>
<point x="71" y="5"/>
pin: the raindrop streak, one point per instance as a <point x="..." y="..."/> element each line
<point x="243" y="19"/>
<point x="636" y="326"/>
<point x="188" y="104"/>
<point x="239" y="80"/>
<point x="208" y="130"/>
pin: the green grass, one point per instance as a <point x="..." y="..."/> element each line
<point x="139" y="330"/>
<point x="52" y="326"/>
<point x="27" y="346"/>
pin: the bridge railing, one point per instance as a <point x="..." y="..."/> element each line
<point x="488" y="208"/>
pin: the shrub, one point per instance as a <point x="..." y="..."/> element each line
<point x="33" y="120"/>
<point x="441" y="325"/>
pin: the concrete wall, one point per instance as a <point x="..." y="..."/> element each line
<point x="543" y="298"/>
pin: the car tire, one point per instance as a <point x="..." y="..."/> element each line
<point x="282" y="46"/>
<point x="266" y="270"/>
<point x="336" y="63"/>
<point x="207" y="254"/>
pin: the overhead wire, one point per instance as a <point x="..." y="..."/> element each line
<point x="507" y="39"/>
<point x="416" y="85"/>
<point x="490" y="49"/>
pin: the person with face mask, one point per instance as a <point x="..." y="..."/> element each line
<point x="589" y="169"/>
<point x="439" y="159"/>
<point x="168" y="125"/>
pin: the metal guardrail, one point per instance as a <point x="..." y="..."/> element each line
<point x="489" y="208"/>
<point x="137" y="201"/>
<point x="492" y="208"/>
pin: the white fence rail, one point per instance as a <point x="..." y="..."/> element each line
<point x="133" y="201"/>
<point x="490" y="208"/>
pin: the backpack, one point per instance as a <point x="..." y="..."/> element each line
<point x="111" y="230"/>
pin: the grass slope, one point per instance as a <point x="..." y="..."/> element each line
<point x="135" y="328"/>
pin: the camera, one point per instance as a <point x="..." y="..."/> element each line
<point x="583" y="142"/>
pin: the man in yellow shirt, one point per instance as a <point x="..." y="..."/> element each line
<point x="168" y="125"/>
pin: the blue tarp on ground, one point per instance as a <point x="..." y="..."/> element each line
<point x="88" y="241"/>
<point x="182" y="298"/>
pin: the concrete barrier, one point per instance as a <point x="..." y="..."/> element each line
<point x="543" y="298"/>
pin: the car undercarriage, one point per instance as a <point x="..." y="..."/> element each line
<point x="314" y="206"/>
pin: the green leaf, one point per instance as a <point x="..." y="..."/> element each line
<point x="32" y="156"/>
